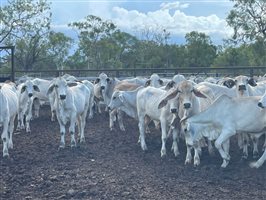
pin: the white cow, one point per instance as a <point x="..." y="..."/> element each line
<point x="26" y="91"/>
<point x="154" y="81"/>
<point x="91" y="99"/>
<point x="42" y="97"/>
<point x="137" y="80"/>
<point x="188" y="104"/>
<point x="126" y="101"/>
<point x="104" y="87"/>
<point x="175" y="80"/>
<point x="71" y="105"/>
<point x="121" y="86"/>
<point x="246" y="86"/>
<point x="8" y="113"/>
<point x="148" y="100"/>
<point x="262" y="101"/>
<point x="225" y="118"/>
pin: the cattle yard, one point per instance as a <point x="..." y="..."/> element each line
<point x="112" y="165"/>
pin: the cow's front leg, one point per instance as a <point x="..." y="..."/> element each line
<point x="36" y="105"/>
<point x="142" y="133"/>
<point x="197" y="152"/>
<point x="62" y="132"/>
<point x="120" y="120"/>
<point x="189" y="155"/>
<point x="28" y="118"/>
<point x="112" y="119"/>
<point x="72" y="132"/>
<point x="164" y="137"/>
<point x="11" y="130"/>
<point x="175" y="142"/>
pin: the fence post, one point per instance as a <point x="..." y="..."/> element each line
<point x="251" y="72"/>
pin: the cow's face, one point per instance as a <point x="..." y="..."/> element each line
<point x="29" y="88"/>
<point x="229" y="82"/>
<point x="182" y="96"/>
<point x="154" y="81"/>
<point x="103" y="80"/>
<point x="262" y="102"/>
<point x="116" y="100"/>
<point x="60" y="86"/>
<point x="242" y="85"/>
<point x="185" y="94"/>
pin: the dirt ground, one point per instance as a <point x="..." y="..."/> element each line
<point x="111" y="165"/>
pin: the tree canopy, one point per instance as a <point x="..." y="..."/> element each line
<point x="102" y="45"/>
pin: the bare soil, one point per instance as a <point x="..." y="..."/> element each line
<point x="111" y="165"/>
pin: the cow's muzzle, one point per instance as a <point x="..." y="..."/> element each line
<point x="260" y="105"/>
<point x="187" y="105"/>
<point x="242" y="87"/>
<point x="62" y="96"/>
<point x="173" y="110"/>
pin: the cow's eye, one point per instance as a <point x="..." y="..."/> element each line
<point x="56" y="86"/>
<point x="114" y="98"/>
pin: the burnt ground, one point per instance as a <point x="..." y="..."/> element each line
<point x="111" y="165"/>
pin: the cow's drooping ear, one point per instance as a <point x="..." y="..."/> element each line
<point x="97" y="81"/>
<point x="160" y="81"/>
<point x="121" y="97"/>
<point x="252" y="82"/>
<point x="148" y="82"/>
<point x="50" y="89"/>
<point x="36" y="88"/>
<point x="72" y="84"/>
<point x="23" y="88"/>
<point x="170" y="85"/>
<point x="198" y="93"/>
<point x="168" y="97"/>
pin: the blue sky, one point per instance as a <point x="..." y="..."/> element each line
<point x="134" y="16"/>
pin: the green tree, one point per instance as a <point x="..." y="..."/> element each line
<point x="248" y="19"/>
<point x="58" y="48"/>
<point x="200" y="52"/>
<point x="26" y="24"/>
<point x="19" y="15"/>
<point x="91" y="31"/>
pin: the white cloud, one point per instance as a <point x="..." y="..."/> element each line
<point x="169" y="16"/>
<point x="178" y="23"/>
<point x="173" y="5"/>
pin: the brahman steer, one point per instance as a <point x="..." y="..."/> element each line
<point x="91" y="100"/>
<point x="8" y="112"/>
<point x="103" y="89"/>
<point x="26" y="91"/>
<point x="188" y="104"/>
<point x="225" y="118"/>
<point x="121" y="86"/>
<point x="246" y="86"/>
<point x="148" y="100"/>
<point x="126" y="101"/>
<point x="72" y="104"/>
<point x="154" y="81"/>
<point x="262" y="101"/>
<point x="42" y="97"/>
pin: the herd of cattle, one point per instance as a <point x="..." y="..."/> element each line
<point x="195" y="110"/>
